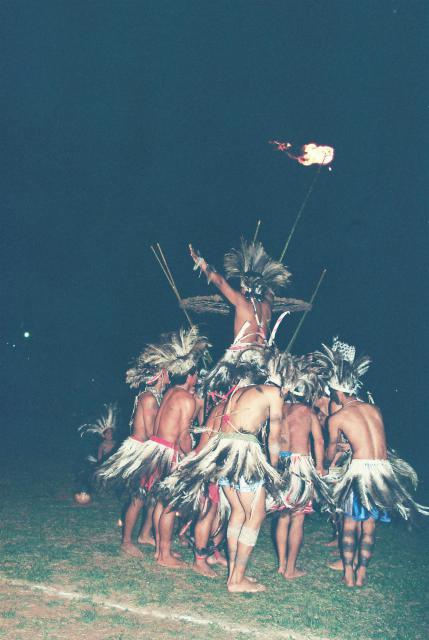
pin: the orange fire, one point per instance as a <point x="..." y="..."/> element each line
<point x="310" y="153"/>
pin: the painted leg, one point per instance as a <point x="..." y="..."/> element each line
<point x="366" y="548"/>
<point x="348" y="548"/>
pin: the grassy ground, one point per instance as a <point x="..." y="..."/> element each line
<point x="46" y="539"/>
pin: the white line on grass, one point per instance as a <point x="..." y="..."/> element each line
<point x="160" y="614"/>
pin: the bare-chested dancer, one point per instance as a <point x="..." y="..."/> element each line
<point x="206" y="520"/>
<point x="298" y="423"/>
<point x="260" y="277"/>
<point x="172" y="425"/>
<point x="143" y="422"/>
<point x="235" y="460"/>
<point x="145" y="463"/>
<point x="375" y="484"/>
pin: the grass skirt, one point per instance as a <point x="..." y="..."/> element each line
<point x="302" y="483"/>
<point x="139" y="465"/>
<point x="386" y="485"/>
<point x="232" y="456"/>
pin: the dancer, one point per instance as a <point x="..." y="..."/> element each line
<point x="142" y="464"/>
<point x="375" y="484"/>
<point x="206" y="523"/>
<point x="302" y="479"/>
<point x="142" y="423"/>
<point x="234" y="458"/>
<point x="260" y="277"/>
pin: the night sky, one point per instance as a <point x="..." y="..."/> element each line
<point x="131" y="122"/>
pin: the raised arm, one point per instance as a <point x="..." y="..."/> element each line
<point x="215" y="278"/>
<point x="318" y="442"/>
<point x="276" y="415"/>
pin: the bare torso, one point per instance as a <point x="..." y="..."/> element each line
<point x="175" y="414"/>
<point x="248" y="409"/>
<point x="362" y="424"/>
<point x="257" y="327"/>
<point x="296" y="428"/>
<point x="144" y="416"/>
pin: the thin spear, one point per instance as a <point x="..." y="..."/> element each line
<point x="256" y="231"/>
<point x="301" y="209"/>
<point x="164" y="266"/>
<point x="312" y="299"/>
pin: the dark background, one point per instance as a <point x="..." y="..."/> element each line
<point x="130" y="122"/>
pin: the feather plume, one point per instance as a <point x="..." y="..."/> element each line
<point x="342" y="369"/>
<point x="106" y="421"/>
<point x="258" y="273"/>
<point x="178" y="352"/>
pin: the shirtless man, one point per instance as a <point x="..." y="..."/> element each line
<point x="362" y="424"/>
<point x="143" y="423"/>
<point x="245" y="415"/>
<point x="172" y="426"/>
<point x="253" y="303"/>
<point x="298" y="424"/>
<point x="255" y="315"/>
<point x="206" y="520"/>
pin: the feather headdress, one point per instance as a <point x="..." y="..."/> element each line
<point x="343" y="369"/>
<point x="258" y="273"/>
<point x="178" y="352"/>
<point x="229" y="374"/>
<point x="294" y="374"/>
<point x="106" y="421"/>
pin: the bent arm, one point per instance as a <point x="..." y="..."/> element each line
<point x="276" y="415"/>
<point x="334" y="430"/>
<point x="318" y="442"/>
<point x="139" y="430"/>
<point x="149" y="411"/>
<point x="186" y="417"/>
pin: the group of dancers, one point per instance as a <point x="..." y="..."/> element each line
<point x="260" y="432"/>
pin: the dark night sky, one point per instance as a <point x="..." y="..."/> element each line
<point x="126" y="123"/>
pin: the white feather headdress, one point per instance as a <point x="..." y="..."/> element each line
<point x="343" y="369"/>
<point x="294" y="374"/>
<point x="178" y="352"/>
<point x="106" y="421"/>
<point x="258" y="272"/>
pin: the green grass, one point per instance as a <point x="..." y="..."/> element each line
<point x="45" y="540"/>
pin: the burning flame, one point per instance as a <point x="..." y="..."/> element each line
<point x="310" y="153"/>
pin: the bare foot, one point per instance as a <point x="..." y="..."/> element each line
<point x="217" y="559"/>
<point x="148" y="541"/>
<point x="201" y="567"/>
<point x="131" y="550"/>
<point x="245" y="586"/>
<point x="337" y="565"/>
<point x="332" y="543"/>
<point x="349" y="577"/>
<point x="360" y="577"/>
<point x="281" y="569"/>
<point x="171" y="562"/>
<point x="296" y="574"/>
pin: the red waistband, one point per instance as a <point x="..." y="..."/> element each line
<point x="166" y="443"/>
